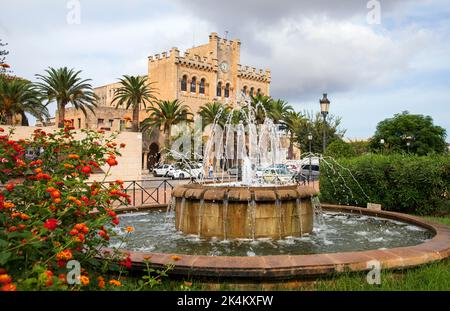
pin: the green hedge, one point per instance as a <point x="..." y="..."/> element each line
<point x="409" y="184"/>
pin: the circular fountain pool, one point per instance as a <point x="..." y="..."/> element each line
<point x="342" y="232"/>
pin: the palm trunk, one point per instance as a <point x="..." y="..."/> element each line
<point x="135" y="126"/>
<point x="291" y="147"/>
<point x="9" y="118"/>
<point x="61" y="115"/>
<point x="169" y="138"/>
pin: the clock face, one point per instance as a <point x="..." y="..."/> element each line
<point x="224" y="66"/>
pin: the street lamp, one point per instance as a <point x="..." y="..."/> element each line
<point x="310" y="137"/>
<point x="324" y="108"/>
<point x="408" y="141"/>
<point x="382" y="144"/>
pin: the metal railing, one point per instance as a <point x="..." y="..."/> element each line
<point x="146" y="192"/>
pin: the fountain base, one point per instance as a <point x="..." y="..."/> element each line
<point x="226" y="212"/>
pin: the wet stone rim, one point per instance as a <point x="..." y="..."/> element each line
<point x="291" y="266"/>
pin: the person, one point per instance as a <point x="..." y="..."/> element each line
<point x="211" y="171"/>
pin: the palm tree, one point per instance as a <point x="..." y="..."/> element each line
<point x="279" y="110"/>
<point x="66" y="87"/>
<point x="166" y="114"/>
<point x="262" y="105"/>
<point x="18" y="96"/>
<point x="294" y="121"/>
<point x="133" y="92"/>
<point x="209" y="112"/>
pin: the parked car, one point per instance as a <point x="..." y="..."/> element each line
<point x="235" y="171"/>
<point x="307" y="174"/>
<point x="276" y="175"/>
<point x="187" y="172"/>
<point x="162" y="170"/>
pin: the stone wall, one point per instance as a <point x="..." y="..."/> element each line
<point x="130" y="163"/>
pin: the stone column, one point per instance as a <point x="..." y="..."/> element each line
<point x="145" y="168"/>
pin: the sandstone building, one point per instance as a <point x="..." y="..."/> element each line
<point x="206" y="73"/>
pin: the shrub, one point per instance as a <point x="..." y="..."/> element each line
<point x="46" y="208"/>
<point x="409" y="184"/>
<point x="340" y="149"/>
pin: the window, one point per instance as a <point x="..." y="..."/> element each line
<point x="258" y="92"/>
<point x="201" y="87"/>
<point x="219" y="89"/>
<point x="244" y="90"/>
<point x="194" y="85"/>
<point x="100" y="122"/>
<point x="111" y="123"/>
<point x="122" y="124"/>
<point x="252" y="90"/>
<point x="184" y="83"/>
<point x="227" y="90"/>
<point x="79" y="123"/>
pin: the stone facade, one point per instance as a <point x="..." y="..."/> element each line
<point x="206" y="73"/>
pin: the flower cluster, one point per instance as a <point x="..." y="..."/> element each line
<point x="49" y="212"/>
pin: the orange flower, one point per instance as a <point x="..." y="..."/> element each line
<point x="130" y="229"/>
<point x="101" y="282"/>
<point x="188" y="283"/>
<point x="115" y="282"/>
<point x="24" y="217"/>
<point x="38" y="170"/>
<point x="175" y="257"/>
<point x="84" y="280"/>
<point x="67" y="165"/>
<point x="8" y="205"/>
<point x="73" y="156"/>
<point x="9" y="288"/>
<point x="64" y="255"/>
<point x="57" y="200"/>
<point x="5" y="279"/>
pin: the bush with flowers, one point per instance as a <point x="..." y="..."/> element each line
<point x="50" y="215"/>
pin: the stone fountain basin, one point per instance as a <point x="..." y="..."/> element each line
<point x="228" y="212"/>
<point x="301" y="266"/>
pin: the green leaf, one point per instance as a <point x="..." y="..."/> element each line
<point x="4" y="258"/>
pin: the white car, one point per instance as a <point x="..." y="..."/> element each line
<point x="182" y="173"/>
<point x="163" y="170"/>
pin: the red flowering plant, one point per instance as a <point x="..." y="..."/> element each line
<point x="49" y="213"/>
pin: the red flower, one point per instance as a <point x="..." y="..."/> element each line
<point x="126" y="262"/>
<point x="111" y="161"/>
<point x="55" y="194"/>
<point x="9" y="187"/>
<point x="9" y="288"/>
<point x="51" y="224"/>
<point x="115" y="221"/>
<point x="86" y="169"/>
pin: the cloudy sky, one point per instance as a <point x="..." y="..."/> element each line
<point x="370" y="70"/>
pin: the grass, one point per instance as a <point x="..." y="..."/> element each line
<point x="431" y="277"/>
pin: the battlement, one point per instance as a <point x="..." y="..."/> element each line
<point x="251" y="73"/>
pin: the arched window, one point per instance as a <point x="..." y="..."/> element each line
<point x="219" y="89"/>
<point x="201" y="87"/>
<point x="194" y="85"/>
<point x="184" y="83"/>
<point x="258" y="92"/>
<point x="226" y="92"/>
<point x="244" y="90"/>
<point x="252" y="90"/>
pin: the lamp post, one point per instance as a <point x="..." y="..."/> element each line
<point x="310" y="140"/>
<point x="382" y="145"/>
<point x="324" y="108"/>
<point x="408" y="141"/>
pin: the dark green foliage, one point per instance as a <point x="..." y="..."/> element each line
<point x="409" y="184"/>
<point x="424" y="137"/>
<point x="340" y="149"/>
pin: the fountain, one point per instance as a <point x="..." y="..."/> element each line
<point x="249" y="208"/>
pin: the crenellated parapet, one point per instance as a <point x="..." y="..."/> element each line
<point x="189" y="60"/>
<point x="251" y="73"/>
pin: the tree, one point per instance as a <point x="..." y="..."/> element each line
<point x="418" y="130"/>
<point x="209" y="113"/>
<point x="166" y="114"/>
<point x="66" y="87"/>
<point x="3" y="52"/>
<point x="262" y="105"/>
<point x="340" y="149"/>
<point x="294" y="122"/>
<point x="314" y="125"/>
<point x="133" y="92"/>
<point x="18" y="96"/>
<point x="279" y="110"/>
